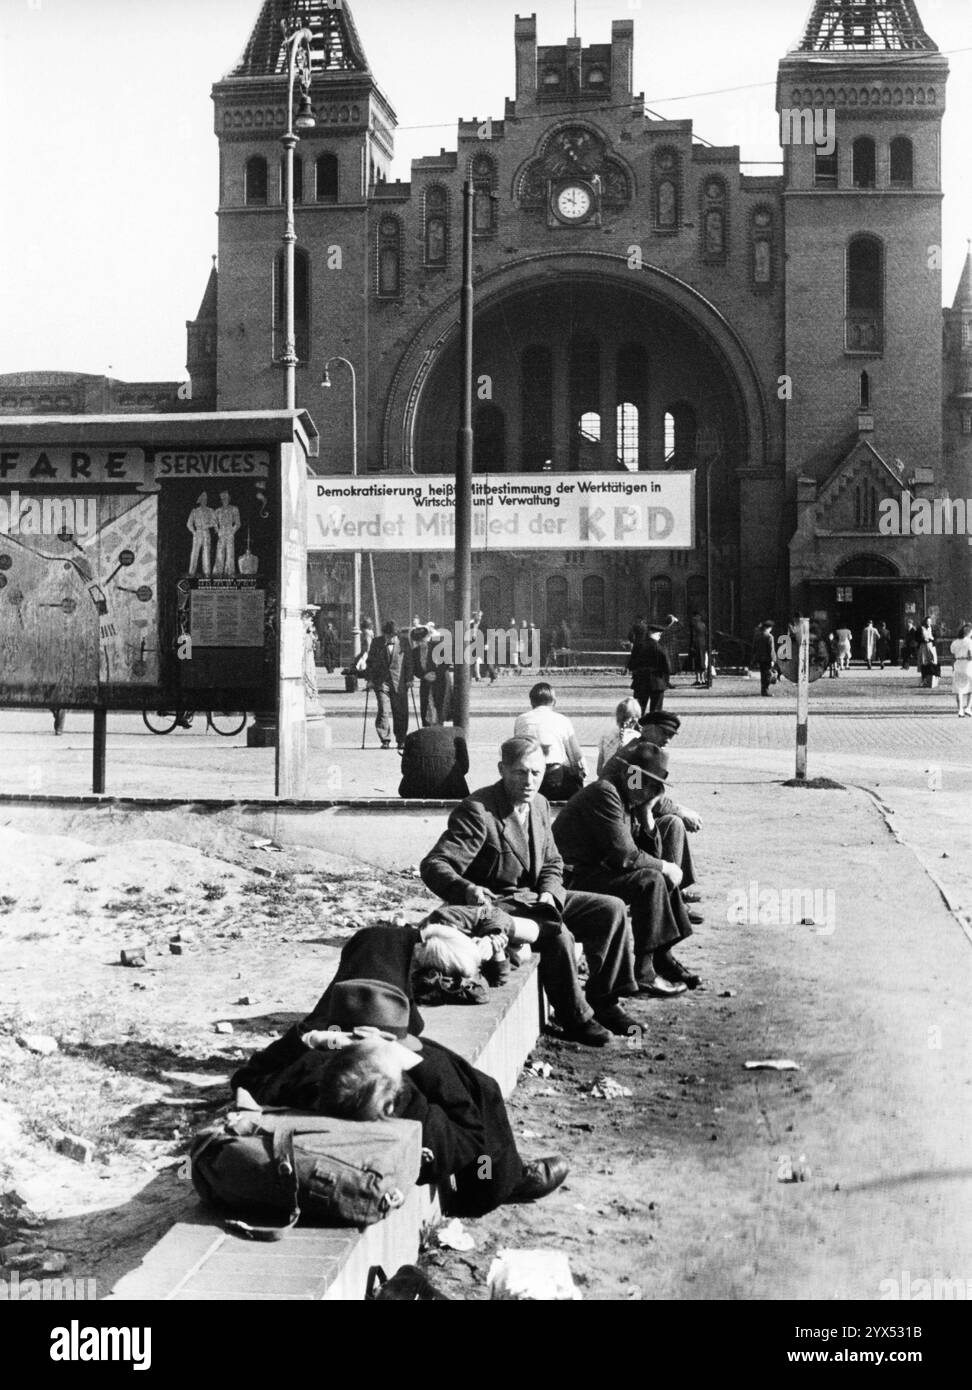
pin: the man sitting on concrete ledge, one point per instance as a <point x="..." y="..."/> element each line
<point x="498" y="848"/>
<point x="466" y="1135"/>
<point x="593" y="833"/>
<point x="667" y="838"/>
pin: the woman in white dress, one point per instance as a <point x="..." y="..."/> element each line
<point x="961" y="674"/>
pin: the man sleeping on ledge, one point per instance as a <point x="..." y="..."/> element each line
<point x="388" y="1072"/>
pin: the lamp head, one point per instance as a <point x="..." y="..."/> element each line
<point x="326" y="378"/>
<point x="305" y="119"/>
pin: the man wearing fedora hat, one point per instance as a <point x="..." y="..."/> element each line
<point x="594" y="835"/>
<point x="668" y="839"/>
<point x="363" y="1040"/>
<point x="498" y="847"/>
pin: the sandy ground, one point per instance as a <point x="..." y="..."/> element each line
<point x="674" y="1190"/>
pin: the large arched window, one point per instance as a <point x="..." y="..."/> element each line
<point x="436" y="226"/>
<point x="865" y="162"/>
<point x="680" y="429"/>
<point x="483" y="173"/>
<point x="255" y="181"/>
<point x="902" y="162"/>
<point x="536" y="398"/>
<point x="557" y="601"/>
<point x="301" y="304"/>
<point x="584" y="387"/>
<point x="627" y="435"/>
<point x="592" y="604"/>
<point x="326" y="170"/>
<point x="865" y="295"/>
<point x="825" y="167"/>
<point x="666" y="190"/>
<point x="489" y="438"/>
<point x="389" y="258"/>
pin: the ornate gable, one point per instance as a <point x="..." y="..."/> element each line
<point x="571" y="151"/>
<point x="847" y="501"/>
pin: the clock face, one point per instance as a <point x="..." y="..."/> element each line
<point x="573" y="202"/>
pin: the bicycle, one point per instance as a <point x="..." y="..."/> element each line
<point x="226" y="723"/>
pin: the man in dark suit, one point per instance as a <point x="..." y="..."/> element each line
<point x="593" y="833"/>
<point x="764" y="655"/>
<point x="390" y="673"/>
<point x="498" y="847"/>
<point x="649" y="667"/>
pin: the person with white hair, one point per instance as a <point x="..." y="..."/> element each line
<point x="626" y="727"/>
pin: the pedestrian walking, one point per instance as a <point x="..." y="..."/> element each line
<point x="869" y="643"/>
<point x="698" y="647"/>
<point x="884" y="645"/>
<point x="649" y="666"/>
<point x="928" y="655"/>
<point x="961" y="676"/>
<point x="909" y="647"/>
<point x="389" y="672"/>
<point x="764" y="656"/>
<point x="845" y="640"/>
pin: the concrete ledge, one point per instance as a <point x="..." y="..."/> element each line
<point x="198" y="1260"/>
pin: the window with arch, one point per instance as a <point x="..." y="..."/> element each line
<point x="864" y="392"/>
<point x="902" y="162"/>
<point x="298" y="179"/>
<point x="627" y="435"/>
<point x="714" y="220"/>
<point x="825" y="167"/>
<point x="666" y="190"/>
<point x="864" y="316"/>
<point x="389" y="258"/>
<point x="660" y="593"/>
<point x="864" y="162"/>
<point x="489" y="438"/>
<point x="592" y="603"/>
<point x="436" y="225"/>
<point x="865" y="507"/>
<point x="584" y="394"/>
<point x="762" y="263"/>
<point x="536" y="404"/>
<point x="255" y="181"/>
<point x="680" y="430"/>
<point x="301" y="304"/>
<point x="483" y="174"/>
<point x="326" y="175"/>
<point x="557" y="605"/>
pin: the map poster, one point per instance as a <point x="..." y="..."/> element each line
<point x="226" y="613"/>
<point x="78" y="596"/>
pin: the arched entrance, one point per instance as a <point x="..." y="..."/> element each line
<point x="585" y="360"/>
<point x="868" y="588"/>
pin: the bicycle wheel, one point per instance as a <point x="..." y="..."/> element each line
<point x="160" y="721"/>
<point x="226" y="722"/>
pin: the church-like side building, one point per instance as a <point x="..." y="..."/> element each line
<point x="641" y="304"/>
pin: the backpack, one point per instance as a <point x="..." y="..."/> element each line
<point x="285" y="1163"/>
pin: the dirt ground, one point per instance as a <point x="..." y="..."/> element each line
<point x="675" y="1190"/>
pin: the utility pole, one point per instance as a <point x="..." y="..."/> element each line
<point x="464" y="463"/>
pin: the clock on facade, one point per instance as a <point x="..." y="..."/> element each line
<point x="573" y="203"/>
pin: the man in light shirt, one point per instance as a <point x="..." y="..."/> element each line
<point x="562" y="754"/>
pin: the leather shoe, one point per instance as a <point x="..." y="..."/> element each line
<point x="540" y="1177"/>
<point x="618" y="1021"/>
<point x="691" y="895"/>
<point x="696" y="918"/>
<point x="661" y="988"/>
<point x="590" y="1033"/>
<point x="673" y="970"/>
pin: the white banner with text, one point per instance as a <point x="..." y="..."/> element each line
<point x="511" y="511"/>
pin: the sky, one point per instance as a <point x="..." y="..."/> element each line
<point x="108" y="165"/>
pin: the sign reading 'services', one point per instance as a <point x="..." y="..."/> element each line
<point x="511" y="511"/>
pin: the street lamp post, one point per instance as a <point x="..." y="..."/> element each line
<point x="356" y="571"/>
<point x="708" y="450"/>
<point x="298" y="65"/>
